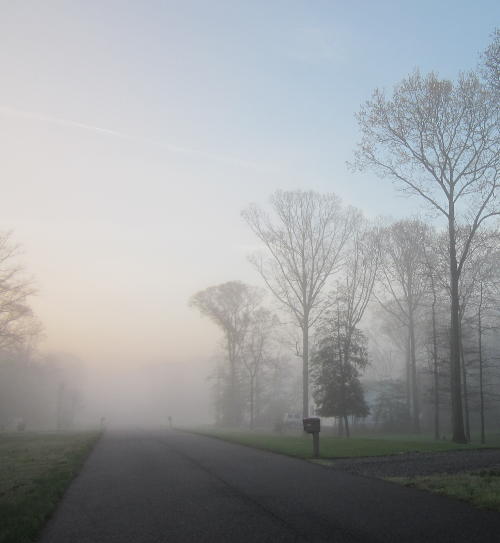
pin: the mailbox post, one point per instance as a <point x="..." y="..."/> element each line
<point x="312" y="425"/>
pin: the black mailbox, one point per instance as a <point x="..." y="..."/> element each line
<point x="312" y="425"/>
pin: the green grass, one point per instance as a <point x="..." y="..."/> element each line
<point x="480" y="488"/>
<point x="35" y="470"/>
<point x="334" y="447"/>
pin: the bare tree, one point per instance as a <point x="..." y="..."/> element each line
<point x="230" y="306"/>
<point x="440" y="141"/>
<point x="476" y="272"/>
<point x="402" y="279"/>
<point x="362" y="261"/>
<point x="256" y="353"/>
<point x="17" y="323"/>
<point x="483" y="271"/>
<point x="431" y="270"/>
<point x="486" y="303"/>
<point x="305" y="242"/>
<point x="437" y="273"/>
<point x="480" y="356"/>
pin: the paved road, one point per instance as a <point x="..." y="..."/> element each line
<point x="177" y="487"/>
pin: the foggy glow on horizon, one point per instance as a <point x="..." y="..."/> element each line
<point x="132" y="137"/>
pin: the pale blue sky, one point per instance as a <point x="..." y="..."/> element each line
<point x="132" y="134"/>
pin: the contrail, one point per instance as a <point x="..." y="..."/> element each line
<point x="13" y="112"/>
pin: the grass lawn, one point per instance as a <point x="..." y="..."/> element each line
<point x="35" y="470"/>
<point x="480" y="488"/>
<point x="334" y="447"/>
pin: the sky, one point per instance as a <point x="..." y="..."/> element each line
<point x="132" y="134"/>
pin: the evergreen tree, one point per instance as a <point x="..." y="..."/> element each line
<point x="337" y="388"/>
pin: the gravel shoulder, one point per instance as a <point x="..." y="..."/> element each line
<point x="414" y="464"/>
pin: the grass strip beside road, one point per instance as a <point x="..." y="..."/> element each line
<point x="300" y="445"/>
<point x="479" y="488"/>
<point x="35" y="470"/>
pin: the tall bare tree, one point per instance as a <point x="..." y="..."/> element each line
<point x="431" y="271"/>
<point x="402" y="280"/>
<point x="230" y="306"/>
<point x="305" y="241"/>
<point x="484" y="274"/>
<point x="475" y="274"/>
<point x="441" y="141"/>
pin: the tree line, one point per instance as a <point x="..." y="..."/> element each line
<point x="36" y="390"/>
<point x="433" y="283"/>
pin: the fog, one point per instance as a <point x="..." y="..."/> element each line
<point x="147" y="395"/>
<point x="131" y="140"/>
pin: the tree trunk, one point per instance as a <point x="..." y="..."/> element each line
<point x="60" y="400"/>
<point x="457" y="420"/>
<point x="436" y="368"/>
<point x="230" y="410"/>
<point x="256" y="394"/>
<point x="346" y="424"/>
<point x="305" y="368"/>
<point x="252" y="394"/>
<point x="480" y="353"/>
<point x="413" y="367"/>
<point x="466" y="392"/>
<point x="346" y="363"/>
<point x="340" y="431"/>
<point x="218" y="395"/>
<point x="408" y="378"/>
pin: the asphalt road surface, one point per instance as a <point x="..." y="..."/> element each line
<point x="146" y="486"/>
